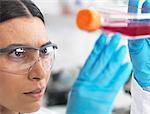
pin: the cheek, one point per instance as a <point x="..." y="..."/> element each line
<point x="9" y="84"/>
<point x="48" y="77"/>
<point x="11" y="94"/>
<point x="9" y="89"/>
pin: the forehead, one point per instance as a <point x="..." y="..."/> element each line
<point x="23" y="30"/>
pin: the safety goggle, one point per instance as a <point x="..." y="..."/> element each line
<point x="19" y="59"/>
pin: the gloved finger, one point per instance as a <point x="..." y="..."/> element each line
<point x="112" y="67"/>
<point x="135" y="46"/>
<point x="133" y="6"/>
<point x="105" y="56"/>
<point x="99" y="46"/>
<point x="146" y="7"/>
<point x="121" y="76"/>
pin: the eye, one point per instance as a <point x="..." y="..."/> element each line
<point x="17" y="53"/>
<point x="47" y="51"/>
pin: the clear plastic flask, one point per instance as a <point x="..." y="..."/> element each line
<point x="135" y="26"/>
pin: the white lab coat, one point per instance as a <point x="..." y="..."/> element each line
<point x="140" y="99"/>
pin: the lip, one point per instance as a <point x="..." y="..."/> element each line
<point x="37" y="93"/>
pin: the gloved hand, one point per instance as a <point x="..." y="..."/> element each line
<point x="100" y="79"/>
<point x="140" y="49"/>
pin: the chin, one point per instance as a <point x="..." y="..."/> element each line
<point x="31" y="108"/>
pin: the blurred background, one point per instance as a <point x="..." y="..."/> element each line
<point x="74" y="47"/>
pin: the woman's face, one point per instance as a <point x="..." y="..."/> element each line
<point x="23" y="93"/>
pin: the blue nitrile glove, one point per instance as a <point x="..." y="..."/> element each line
<point x="140" y="49"/>
<point x="100" y="79"/>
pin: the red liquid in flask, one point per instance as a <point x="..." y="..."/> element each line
<point x="132" y="30"/>
<point x="90" y="20"/>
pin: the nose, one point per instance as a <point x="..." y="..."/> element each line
<point x="37" y="71"/>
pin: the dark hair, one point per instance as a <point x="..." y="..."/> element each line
<point x="10" y="9"/>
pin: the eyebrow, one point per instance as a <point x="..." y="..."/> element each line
<point x="49" y="42"/>
<point x="26" y="45"/>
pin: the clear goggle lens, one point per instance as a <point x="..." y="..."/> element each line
<point x="20" y="60"/>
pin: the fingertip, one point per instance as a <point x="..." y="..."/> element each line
<point x="146" y="7"/>
<point x="102" y="39"/>
<point x="122" y="50"/>
<point x="126" y="67"/>
<point x="116" y="37"/>
<point x="123" y="47"/>
<point x="129" y="66"/>
<point x="100" y="43"/>
<point x="146" y="3"/>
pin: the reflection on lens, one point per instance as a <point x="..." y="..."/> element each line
<point x="24" y="65"/>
